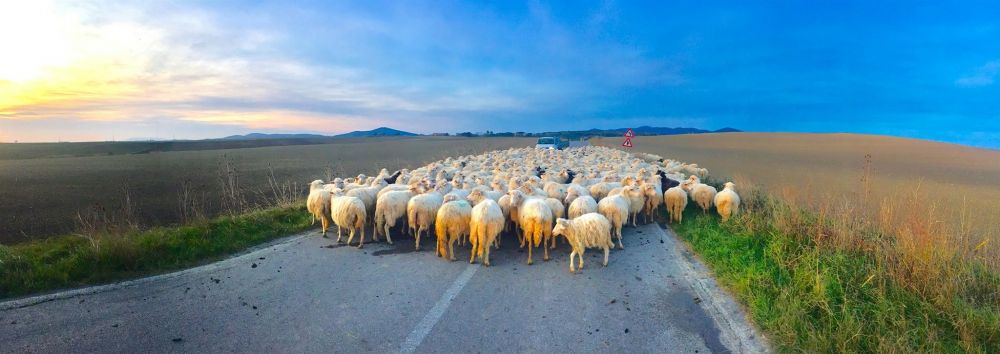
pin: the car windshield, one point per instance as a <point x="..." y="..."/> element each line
<point x="546" y="141"/>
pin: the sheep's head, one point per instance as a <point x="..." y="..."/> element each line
<point x="730" y="186"/>
<point x="516" y="196"/>
<point x="686" y="185"/>
<point x="562" y="225"/>
<point x="450" y="197"/>
<point x="648" y="189"/>
<point x="315" y="184"/>
<point x="571" y="195"/>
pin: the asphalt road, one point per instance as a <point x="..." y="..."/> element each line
<point x="304" y="295"/>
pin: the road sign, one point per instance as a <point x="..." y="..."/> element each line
<point x="627" y="143"/>
<point x="629" y="133"/>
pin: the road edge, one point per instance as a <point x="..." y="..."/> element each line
<point x="736" y="330"/>
<point x="274" y="245"/>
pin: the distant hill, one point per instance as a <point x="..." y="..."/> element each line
<point x="261" y="136"/>
<point x="380" y="131"/>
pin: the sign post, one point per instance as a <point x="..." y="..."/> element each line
<point x="628" y="138"/>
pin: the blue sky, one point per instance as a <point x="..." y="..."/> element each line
<point x="205" y="69"/>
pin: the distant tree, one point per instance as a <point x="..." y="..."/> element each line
<point x="466" y="134"/>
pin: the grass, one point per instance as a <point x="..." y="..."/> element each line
<point x="73" y="261"/>
<point x="42" y="196"/>
<point x="837" y="281"/>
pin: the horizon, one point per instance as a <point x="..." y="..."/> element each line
<point x="106" y="71"/>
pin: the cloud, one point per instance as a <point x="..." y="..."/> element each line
<point x="983" y="76"/>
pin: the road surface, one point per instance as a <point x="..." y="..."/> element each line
<point x="303" y="294"/>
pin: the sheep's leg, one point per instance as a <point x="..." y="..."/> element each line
<point x="361" y="243"/>
<point x="387" y="237"/>
<point x="545" y="249"/>
<point x="572" y="256"/>
<point x="620" y="245"/>
<point x="472" y="258"/>
<point x="486" y="254"/>
<point x="338" y="233"/>
<point x="417" y="241"/>
<point x="351" y="237"/>
<point x="529" y="254"/>
<point x="606" y="252"/>
<point x="324" y="224"/>
<point x="451" y="250"/>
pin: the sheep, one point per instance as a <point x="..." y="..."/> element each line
<point x="615" y="208"/>
<point x="451" y="224"/>
<point x="653" y="199"/>
<point x="535" y="219"/>
<point x="676" y="200"/>
<point x="421" y="211"/>
<point x="727" y="202"/>
<point x="555" y="190"/>
<point x="318" y="204"/>
<point x="582" y="205"/>
<point x="389" y="208"/>
<point x="591" y="230"/>
<point x="703" y="194"/>
<point x="636" y="200"/>
<point x="348" y="212"/>
<point x="367" y="196"/>
<point x="486" y="223"/>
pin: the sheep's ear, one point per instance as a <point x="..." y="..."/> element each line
<point x="561" y="221"/>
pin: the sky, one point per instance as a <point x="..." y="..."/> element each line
<point x="119" y="70"/>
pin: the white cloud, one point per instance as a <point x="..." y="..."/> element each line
<point x="983" y="76"/>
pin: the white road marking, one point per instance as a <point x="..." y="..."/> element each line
<point x="434" y="315"/>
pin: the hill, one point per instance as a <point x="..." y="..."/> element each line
<point x="380" y="131"/>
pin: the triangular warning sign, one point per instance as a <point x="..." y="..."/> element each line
<point x="627" y="143"/>
<point x="629" y="133"/>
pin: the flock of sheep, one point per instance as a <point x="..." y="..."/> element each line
<point x="583" y="194"/>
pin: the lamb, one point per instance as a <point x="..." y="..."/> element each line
<point x="676" y="200"/>
<point x="349" y="212"/>
<point x="591" y="230"/>
<point x="389" y="208"/>
<point x="535" y="219"/>
<point x="727" y="202"/>
<point x="703" y="194"/>
<point x="486" y="223"/>
<point x="318" y="204"/>
<point x="615" y="209"/>
<point x="421" y="211"/>
<point x="451" y="224"/>
<point x="582" y="205"/>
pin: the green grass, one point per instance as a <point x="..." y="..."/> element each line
<point x="818" y="299"/>
<point x="72" y="261"/>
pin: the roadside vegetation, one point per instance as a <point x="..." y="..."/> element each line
<point x="853" y="275"/>
<point x="78" y="260"/>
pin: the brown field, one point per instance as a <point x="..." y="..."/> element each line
<point x="43" y="196"/>
<point x="959" y="185"/>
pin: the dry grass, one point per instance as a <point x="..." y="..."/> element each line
<point x="43" y="196"/>
<point x="939" y="194"/>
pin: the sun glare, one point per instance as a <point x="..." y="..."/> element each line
<point x="34" y="41"/>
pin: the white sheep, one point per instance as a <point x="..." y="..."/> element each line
<point x="615" y="209"/>
<point x="348" y="212"/>
<point x="486" y="223"/>
<point x="582" y="205"/>
<point x="703" y="195"/>
<point x="318" y="204"/>
<point x="654" y="197"/>
<point x="535" y="220"/>
<point x="421" y="211"/>
<point x="727" y="202"/>
<point x="451" y="224"/>
<point x="389" y="208"/>
<point x="591" y="230"/>
<point x="676" y="200"/>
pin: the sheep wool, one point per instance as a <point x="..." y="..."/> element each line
<point x="615" y="209"/>
<point x="486" y="223"/>
<point x="582" y="205"/>
<point x="727" y="202"/>
<point x="676" y="200"/>
<point x="451" y="224"/>
<point x="349" y="212"/>
<point x="318" y="204"/>
<point x="591" y="230"/>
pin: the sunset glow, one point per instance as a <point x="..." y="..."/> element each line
<point x="194" y="70"/>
